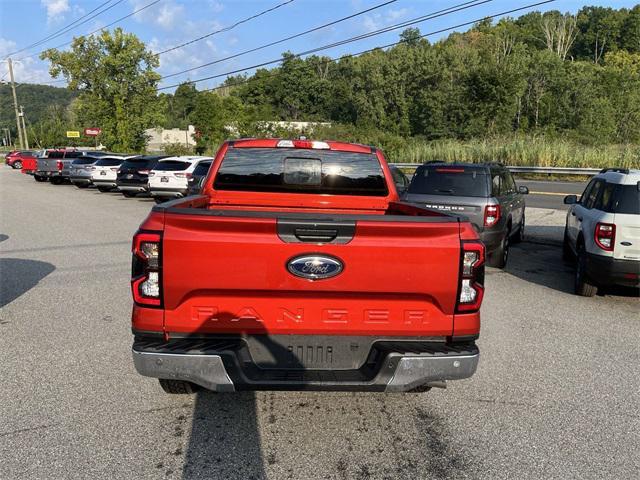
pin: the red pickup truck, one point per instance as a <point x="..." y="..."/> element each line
<point x="298" y="268"/>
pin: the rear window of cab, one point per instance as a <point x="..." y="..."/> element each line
<point x="301" y="171"/>
<point x="109" y="162"/>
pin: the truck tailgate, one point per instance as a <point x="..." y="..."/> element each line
<point x="228" y="274"/>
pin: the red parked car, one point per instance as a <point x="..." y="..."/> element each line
<point x="15" y="158"/>
<point x="29" y="163"/>
<point x="298" y="268"/>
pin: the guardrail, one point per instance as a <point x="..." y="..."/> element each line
<point x="541" y="170"/>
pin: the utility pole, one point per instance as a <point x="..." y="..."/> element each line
<point x="15" y="103"/>
<point x="24" y="129"/>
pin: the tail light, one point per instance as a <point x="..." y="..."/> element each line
<point x="91" y="168"/>
<point x="115" y="169"/>
<point x="491" y="215"/>
<point x="182" y="175"/>
<point x="146" y="269"/>
<point x="605" y="236"/>
<point x="143" y="172"/>
<point x="471" y="288"/>
<point x="151" y="174"/>
<point x="59" y="165"/>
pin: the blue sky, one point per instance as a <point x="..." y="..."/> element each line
<point x="171" y="22"/>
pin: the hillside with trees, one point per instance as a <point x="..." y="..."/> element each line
<point x="544" y="88"/>
<point x="37" y="100"/>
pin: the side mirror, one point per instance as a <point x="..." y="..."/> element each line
<point x="570" y="199"/>
<point x="523" y="190"/>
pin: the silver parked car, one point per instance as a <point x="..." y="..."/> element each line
<point x="484" y="193"/>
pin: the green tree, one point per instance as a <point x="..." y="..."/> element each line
<point x="114" y="75"/>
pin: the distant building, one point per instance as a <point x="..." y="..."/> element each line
<point x="158" y="138"/>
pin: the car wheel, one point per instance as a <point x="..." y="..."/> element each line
<point x="129" y="194"/>
<point x="582" y="285"/>
<point x="56" y="180"/>
<point x="499" y="257"/>
<point x="17" y="165"/>
<point x="519" y="236"/>
<point x="82" y="185"/>
<point x="159" y="199"/>
<point x="38" y="178"/>
<point x="176" y="387"/>
<point x="104" y="189"/>
<point x="567" y="253"/>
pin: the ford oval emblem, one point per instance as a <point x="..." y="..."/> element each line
<point x="314" y="267"/>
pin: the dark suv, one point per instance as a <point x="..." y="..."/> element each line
<point x="484" y="193"/>
<point x="133" y="175"/>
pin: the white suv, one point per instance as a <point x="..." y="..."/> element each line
<point x="104" y="172"/>
<point x="602" y="231"/>
<point x="170" y="177"/>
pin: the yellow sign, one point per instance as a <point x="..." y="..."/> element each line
<point x="73" y="134"/>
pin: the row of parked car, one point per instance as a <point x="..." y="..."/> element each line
<point x="163" y="177"/>
<point x="602" y="233"/>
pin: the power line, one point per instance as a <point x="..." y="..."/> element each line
<point x="42" y="40"/>
<point x="423" y="18"/>
<point x="282" y="40"/>
<point x="98" y="29"/>
<point x="226" y="29"/>
<point x="369" y="50"/>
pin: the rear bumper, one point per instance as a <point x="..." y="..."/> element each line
<point x="612" y="271"/>
<point x="103" y="183"/>
<point x="81" y="180"/>
<point x="167" y="192"/>
<point x="129" y="187"/>
<point x="224" y="366"/>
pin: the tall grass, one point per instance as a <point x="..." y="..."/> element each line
<point x="518" y="151"/>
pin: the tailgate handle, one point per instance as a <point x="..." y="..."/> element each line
<point x="310" y="231"/>
<point x="314" y="235"/>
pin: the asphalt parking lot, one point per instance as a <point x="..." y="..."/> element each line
<point x="555" y="395"/>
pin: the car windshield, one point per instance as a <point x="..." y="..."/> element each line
<point x="301" y="171"/>
<point x="109" y="162"/>
<point x="84" y="161"/>
<point x="172" y="166"/>
<point x="452" y="181"/>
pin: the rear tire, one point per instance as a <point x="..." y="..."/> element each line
<point x="519" y="237"/>
<point x="159" y="200"/>
<point x="582" y="285"/>
<point x="40" y="179"/>
<point x="178" y="387"/>
<point x="17" y="165"/>
<point x="104" y="189"/>
<point x="82" y="185"/>
<point x="500" y="256"/>
<point x="567" y="253"/>
<point x="56" y="180"/>
<point x="129" y="194"/>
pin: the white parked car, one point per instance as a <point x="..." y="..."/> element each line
<point x="104" y="172"/>
<point x="602" y="231"/>
<point x="170" y="177"/>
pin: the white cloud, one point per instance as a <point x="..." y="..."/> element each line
<point x="376" y="21"/>
<point x="29" y="70"/>
<point x="393" y="15"/>
<point x="55" y="8"/>
<point x="169" y="15"/>
<point x="217" y="7"/>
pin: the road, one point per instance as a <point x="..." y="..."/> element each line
<point x="555" y="395"/>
